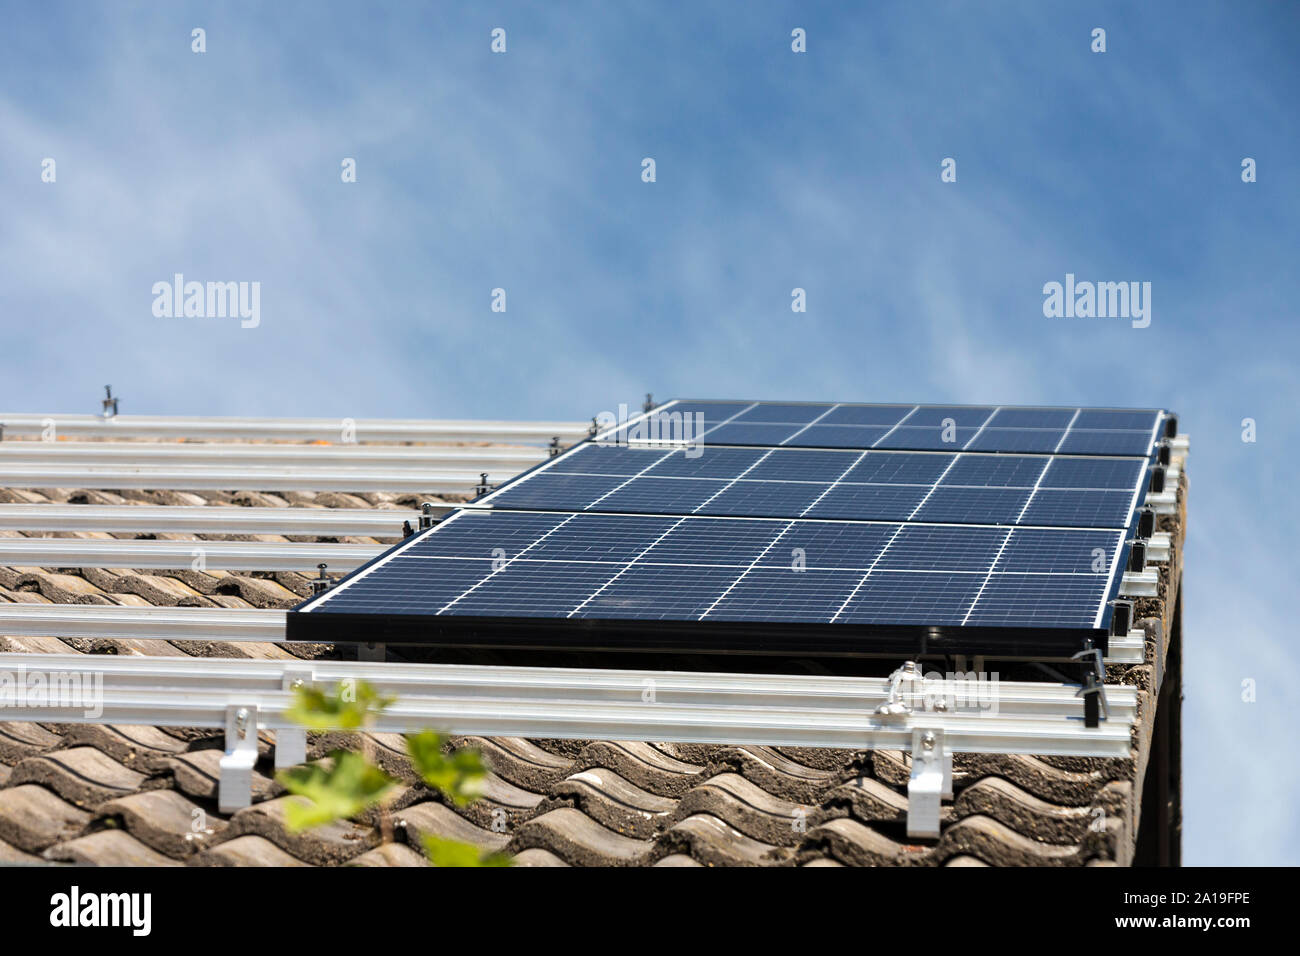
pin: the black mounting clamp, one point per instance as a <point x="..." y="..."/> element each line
<point x="407" y="530"/>
<point x="1137" y="555"/>
<point x="1121" y="618"/>
<point x="554" y="446"/>
<point x="1157" y="479"/>
<point x="108" y="402"/>
<point x="593" y="427"/>
<point x="482" y="487"/>
<point x="427" y="519"/>
<point x="321" y="583"/>
<point x="649" y="403"/>
<point x="1146" y="523"/>
<point x="1093" y="690"/>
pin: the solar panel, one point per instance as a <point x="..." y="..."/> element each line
<point x="488" y="566"/>
<point x="779" y="528"/>
<point x="805" y="483"/>
<point x="1081" y="431"/>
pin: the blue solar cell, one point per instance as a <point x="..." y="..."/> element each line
<point x="899" y="468"/>
<point x="739" y="433"/>
<point x="838" y="436"/>
<point x="477" y="534"/>
<point x="886" y="415"/>
<point x="1032" y="418"/>
<point x="1018" y="439"/>
<point x="677" y="496"/>
<point x="660" y="592"/>
<point x="408" y="585"/>
<point x="1006" y="471"/>
<point x="909" y="597"/>
<point x="974" y="505"/>
<point x="552" y="490"/>
<point x="1077" y="552"/>
<point x="708" y="462"/>
<point x="712" y="541"/>
<point x="1084" y="442"/>
<point x="803" y="464"/>
<point x="765" y="499"/>
<point x="774" y="412"/>
<point x="526" y="588"/>
<point x="868" y="502"/>
<point x="784" y="594"/>
<point x="1120" y="474"/>
<point x="1081" y="509"/>
<point x="1046" y="600"/>
<point x="935" y="437"/>
<point x="593" y="537"/>
<point x="942" y="548"/>
<point x="602" y="459"/>
<point x="1107" y="418"/>
<point x="939" y="415"/>
<point x="827" y="545"/>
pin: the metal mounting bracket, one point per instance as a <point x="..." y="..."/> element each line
<point x="108" y="402"/>
<point x="1140" y="584"/>
<point x="235" y="782"/>
<point x="427" y="516"/>
<point x="931" y="779"/>
<point x="1093" y="690"/>
<point x="291" y="744"/>
<point x="372" y="652"/>
<point x="900" y="700"/>
<point x="321" y="583"/>
<point x="930" y="782"/>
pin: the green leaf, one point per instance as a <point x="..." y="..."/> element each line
<point x="349" y="706"/>
<point x="460" y="775"/>
<point x="454" y="853"/>
<point x="340" y="791"/>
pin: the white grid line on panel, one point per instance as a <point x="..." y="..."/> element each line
<point x="761" y="555"/>
<point x="811" y="423"/>
<point x="626" y="567"/>
<point x="754" y="464"/>
<point x="495" y="571"/>
<point x="915" y="409"/>
<point x="985" y="583"/>
<point x="981" y="428"/>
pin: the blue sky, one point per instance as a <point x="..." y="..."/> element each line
<point x="775" y="170"/>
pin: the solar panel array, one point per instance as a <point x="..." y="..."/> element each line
<point x="782" y="528"/>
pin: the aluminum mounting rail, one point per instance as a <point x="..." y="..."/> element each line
<point x="212" y="519"/>
<point x="381" y="457"/>
<point x="198" y="555"/>
<point x="217" y="477"/>
<point x="289" y="429"/>
<point x="774" y="710"/>
<point x="159" y="623"/>
<point x="850" y="695"/>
